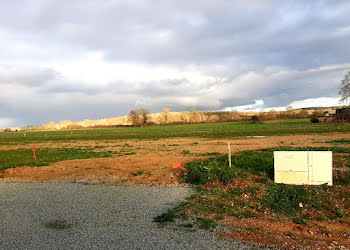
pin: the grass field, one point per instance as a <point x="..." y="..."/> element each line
<point x="205" y="130"/>
<point x="24" y="157"/>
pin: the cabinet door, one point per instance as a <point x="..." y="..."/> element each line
<point x="291" y="161"/>
<point x="320" y="167"/>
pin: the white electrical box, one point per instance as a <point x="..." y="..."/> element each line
<point x="303" y="167"/>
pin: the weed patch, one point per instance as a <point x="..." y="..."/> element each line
<point x="209" y="170"/>
<point x="185" y="152"/>
<point x="285" y="199"/>
<point x="58" y="224"/>
<point x="207" y="224"/>
<point x="255" y="162"/>
<point x="164" y="218"/>
<point x="140" y="172"/>
<point x="299" y="221"/>
<point x="340" y="141"/>
<point x="210" y="154"/>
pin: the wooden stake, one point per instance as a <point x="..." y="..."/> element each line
<point x="34" y="153"/>
<point x="229" y="154"/>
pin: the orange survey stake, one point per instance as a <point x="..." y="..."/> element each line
<point x="178" y="165"/>
<point x="34" y="153"/>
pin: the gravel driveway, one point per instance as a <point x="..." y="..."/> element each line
<point x="77" y="216"/>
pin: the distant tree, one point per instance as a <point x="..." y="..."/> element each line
<point x="289" y="108"/>
<point x="194" y="116"/>
<point x="255" y="119"/>
<point x="134" y="117"/>
<point x="144" y="114"/>
<point x="165" y="114"/>
<point x="138" y="117"/>
<point x="344" y="91"/>
<point x="315" y="119"/>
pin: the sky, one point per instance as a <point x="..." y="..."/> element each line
<point x="84" y="59"/>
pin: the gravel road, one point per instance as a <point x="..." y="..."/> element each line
<point x="76" y="216"/>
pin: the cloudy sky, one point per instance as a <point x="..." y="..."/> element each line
<point x="94" y="59"/>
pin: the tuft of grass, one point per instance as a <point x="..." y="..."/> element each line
<point x="104" y="167"/>
<point x="299" y="221"/>
<point x="207" y="223"/>
<point x="340" y="213"/>
<point x="140" y="172"/>
<point x="340" y="141"/>
<point x="290" y="235"/>
<point x="210" y="153"/>
<point x="187" y="225"/>
<point x="185" y="152"/>
<point x="58" y="224"/>
<point x="164" y="218"/>
<point x="130" y="153"/>
<point x="253" y="229"/>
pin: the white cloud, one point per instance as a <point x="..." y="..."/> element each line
<point x="257" y="106"/>
<point x="308" y="103"/>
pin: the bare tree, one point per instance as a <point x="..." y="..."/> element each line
<point x="165" y="114"/>
<point x="138" y="117"/>
<point x="134" y="117"/>
<point x="344" y="91"/>
<point x="194" y="116"/>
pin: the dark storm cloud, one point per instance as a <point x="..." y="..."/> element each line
<point x="278" y="51"/>
<point x="297" y="33"/>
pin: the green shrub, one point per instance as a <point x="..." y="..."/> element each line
<point x="255" y="119"/>
<point x="285" y="199"/>
<point x="204" y="171"/>
<point x="299" y="221"/>
<point x="255" y="162"/>
<point x="315" y="120"/>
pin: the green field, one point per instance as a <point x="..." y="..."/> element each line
<point x="207" y="130"/>
<point x="46" y="156"/>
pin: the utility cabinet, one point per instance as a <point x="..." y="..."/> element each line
<point x="303" y="167"/>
